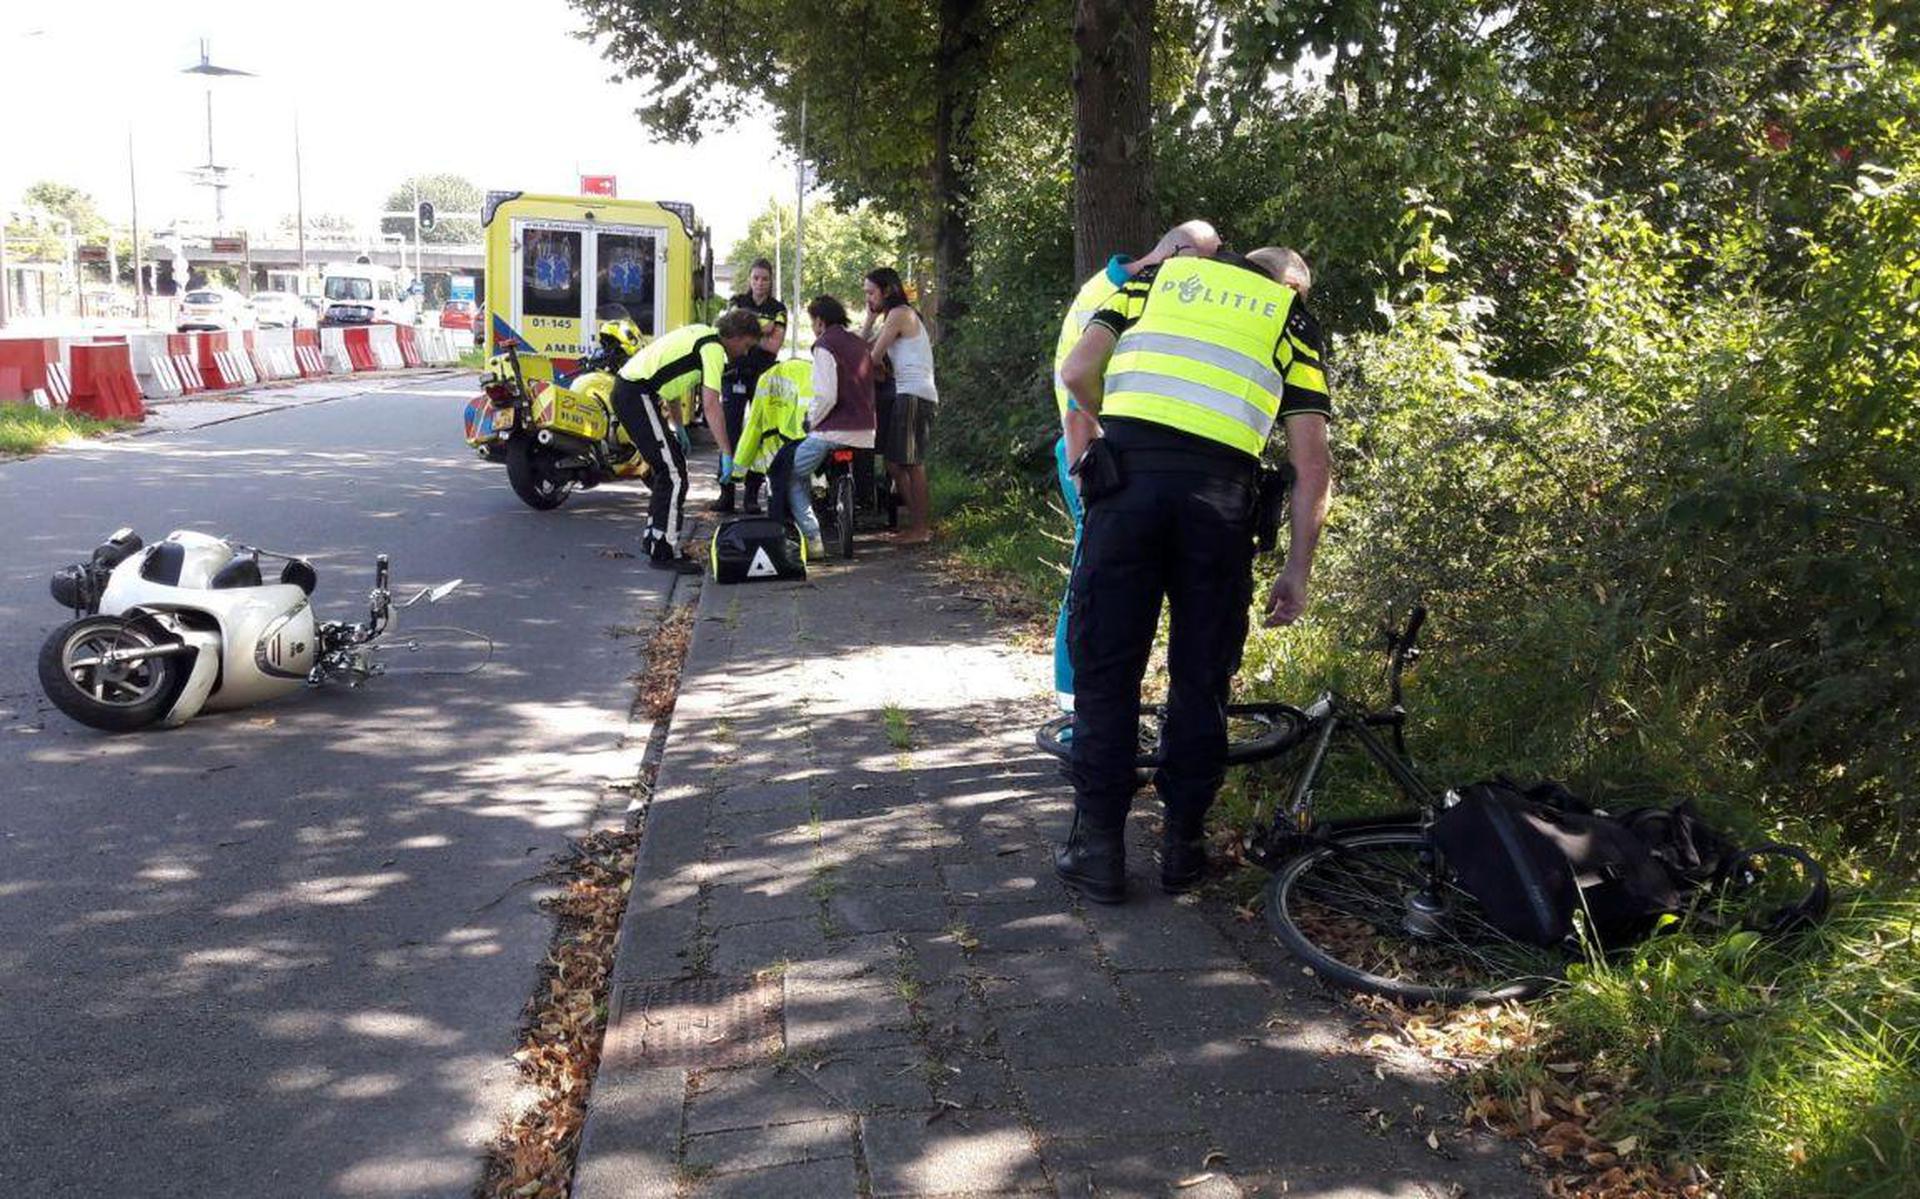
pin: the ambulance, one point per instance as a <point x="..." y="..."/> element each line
<point x="555" y="263"/>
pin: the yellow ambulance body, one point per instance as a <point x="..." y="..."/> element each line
<point x="555" y="263"/>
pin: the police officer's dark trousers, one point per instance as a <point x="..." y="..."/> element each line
<point x="639" y="411"/>
<point x="1180" y="527"/>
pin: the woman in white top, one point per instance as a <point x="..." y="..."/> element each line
<point x="902" y="348"/>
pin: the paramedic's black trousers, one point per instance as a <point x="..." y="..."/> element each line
<point x="1183" y="530"/>
<point x="639" y="413"/>
<point x="736" y="392"/>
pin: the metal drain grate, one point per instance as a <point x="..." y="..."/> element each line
<point x="703" y="1022"/>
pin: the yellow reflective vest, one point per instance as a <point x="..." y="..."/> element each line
<point x="1093" y="295"/>
<point x="677" y="364"/>
<point x="777" y="415"/>
<point x="1212" y="349"/>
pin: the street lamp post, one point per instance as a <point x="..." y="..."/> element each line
<point x="210" y="173"/>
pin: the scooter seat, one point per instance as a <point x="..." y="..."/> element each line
<point x="164" y="563"/>
<point x="241" y="572"/>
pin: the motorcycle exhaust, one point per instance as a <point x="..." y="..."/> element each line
<point x="564" y="443"/>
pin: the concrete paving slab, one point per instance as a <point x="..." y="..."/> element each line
<point x="981" y="1030"/>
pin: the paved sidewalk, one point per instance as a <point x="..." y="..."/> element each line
<point x="847" y="969"/>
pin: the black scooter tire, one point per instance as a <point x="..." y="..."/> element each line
<point x="536" y="489"/>
<point x="67" y="695"/>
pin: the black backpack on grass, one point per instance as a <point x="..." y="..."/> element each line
<point x="1534" y="856"/>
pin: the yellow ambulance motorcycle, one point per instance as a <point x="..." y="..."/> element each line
<point x="554" y="437"/>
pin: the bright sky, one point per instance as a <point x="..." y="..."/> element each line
<point x="381" y="90"/>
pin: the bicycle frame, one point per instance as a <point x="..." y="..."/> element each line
<point x="1332" y="714"/>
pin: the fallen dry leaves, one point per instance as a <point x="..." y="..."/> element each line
<point x="666" y="654"/>
<point x="1556" y="1117"/>
<point x="560" y="1044"/>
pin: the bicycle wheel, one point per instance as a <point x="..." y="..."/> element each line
<point x="1254" y="732"/>
<point x="1356" y="909"/>
<point x="843" y="515"/>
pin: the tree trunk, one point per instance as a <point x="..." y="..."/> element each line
<point x="1112" y="131"/>
<point x="960" y="71"/>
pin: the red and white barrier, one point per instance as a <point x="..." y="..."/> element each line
<point x="385" y="340"/>
<point x="334" y="352"/>
<point x="360" y="348"/>
<point x="273" y="354"/>
<point x="103" y="384"/>
<point x="306" y="353"/>
<point x="151" y="367"/>
<point x="23" y="366"/>
<point x="437" y="348"/>
<point x="55" y="391"/>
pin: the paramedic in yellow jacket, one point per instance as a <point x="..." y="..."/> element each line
<point x="680" y="365"/>
<point x="776" y="419"/>
<point x="1190" y="237"/>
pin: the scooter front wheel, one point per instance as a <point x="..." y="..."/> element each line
<point x="80" y="675"/>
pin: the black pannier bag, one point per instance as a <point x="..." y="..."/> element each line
<point x="1534" y="857"/>
<point x="751" y="549"/>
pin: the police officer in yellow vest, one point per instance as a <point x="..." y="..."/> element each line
<point x="1178" y="382"/>
<point x="680" y="365"/>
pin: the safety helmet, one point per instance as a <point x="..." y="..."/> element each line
<point x="620" y="339"/>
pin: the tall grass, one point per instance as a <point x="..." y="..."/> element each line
<point x="27" y="429"/>
<point x="1788" y="1070"/>
<point x="1005" y="527"/>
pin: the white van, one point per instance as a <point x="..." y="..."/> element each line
<point x="359" y="293"/>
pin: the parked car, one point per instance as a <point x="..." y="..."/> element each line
<point x="479" y="324"/>
<point x="281" y="310"/>
<point x="360" y="293"/>
<point x="215" y="309"/>
<point x="457" y="314"/>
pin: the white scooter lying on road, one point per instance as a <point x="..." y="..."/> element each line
<point x="189" y="624"/>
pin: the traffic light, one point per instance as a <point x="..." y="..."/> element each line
<point x="425" y="216"/>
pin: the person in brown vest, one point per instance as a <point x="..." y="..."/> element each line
<point x="842" y="415"/>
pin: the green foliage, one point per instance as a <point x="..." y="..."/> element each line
<point x="448" y="194"/>
<point x="32" y="237"/>
<point x="1793" y="1069"/>
<point x="1004" y="529"/>
<point x="897" y="96"/>
<point x="842" y="246"/>
<point x="26" y="429"/>
<point x="996" y="368"/>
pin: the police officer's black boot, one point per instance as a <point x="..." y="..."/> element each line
<point x="1183" y="856"/>
<point x="1094" y="860"/>
<point x="725" y="503"/>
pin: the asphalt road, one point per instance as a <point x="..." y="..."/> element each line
<point x="283" y="951"/>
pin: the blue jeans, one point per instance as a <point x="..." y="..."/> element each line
<point x="807" y="457"/>
<point x="1062" y="660"/>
